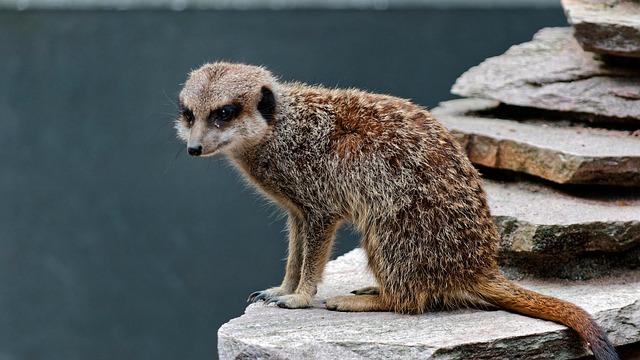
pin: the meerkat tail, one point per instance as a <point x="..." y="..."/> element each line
<point x="509" y="296"/>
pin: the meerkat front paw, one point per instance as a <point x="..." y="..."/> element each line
<point x="267" y="295"/>
<point x="291" y="301"/>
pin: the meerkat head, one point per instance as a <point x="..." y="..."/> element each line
<point x="224" y="106"/>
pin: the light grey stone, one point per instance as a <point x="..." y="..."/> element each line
<point x="552" y="72"/>
<point x="566" y="153"/>
<point x="541" y="205"/>
<point x="268" y="332"/>
<point x="606" y="26"/>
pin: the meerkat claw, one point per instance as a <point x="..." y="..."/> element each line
<point x="253" y="297"/>
<point x="369" y="290"/>
<point x="257" y="296"/>
<point x="271" y="300"/>
<point x="266" y="295"/>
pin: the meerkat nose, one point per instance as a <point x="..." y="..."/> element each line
<point x="195" y="150"/>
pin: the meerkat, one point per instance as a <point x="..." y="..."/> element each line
<point x="384" y="164"/>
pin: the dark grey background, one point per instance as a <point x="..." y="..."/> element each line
<point x="114" y="247"/>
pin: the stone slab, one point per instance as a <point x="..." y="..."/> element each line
<point x="606" y="26"/>
<point x="552" y="72"/>
<point x="552" y="233"/>
<point x="269" y="332"/>
<point x="560" y="153"/>
<point x="546" y="206"/>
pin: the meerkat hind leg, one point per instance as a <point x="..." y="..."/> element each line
<point x="357" y="303"/>
<point x="369" y="290"/>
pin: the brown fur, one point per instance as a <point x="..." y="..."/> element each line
<point x="383" y="164"/>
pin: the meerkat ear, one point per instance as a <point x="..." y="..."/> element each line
<point x="267" y="104"/>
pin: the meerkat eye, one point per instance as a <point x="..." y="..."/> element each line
<point x="224" y="114"/>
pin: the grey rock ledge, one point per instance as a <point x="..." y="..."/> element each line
<point x="268" y="332"/>
<point x="565" y="154"/>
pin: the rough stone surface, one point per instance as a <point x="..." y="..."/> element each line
<point x="552" y="72"/>
<point x="268" y="332"/>
<point x="606" y="26"/>
<point x="563" y="154"/>
<point x="548" y="232"/>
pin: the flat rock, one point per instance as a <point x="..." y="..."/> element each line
<point x="606" y="26"/>
<point x="537" y="204"/>
<point x="561" y="153"/>
<point x="548" y="232"/>
<point x="268" y="332"/>
<point x="552" y="72"/>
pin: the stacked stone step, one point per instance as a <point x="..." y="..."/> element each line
<point x="553" y="125"/>
<point x="569" y="119"/>
<point x="609" y="27"/>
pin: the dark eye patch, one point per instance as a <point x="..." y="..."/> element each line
<point x="267" y="104"/>
<point x="187" y="114"/>
<point x="224" y="114"/>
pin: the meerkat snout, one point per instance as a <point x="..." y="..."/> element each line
<point x="223" y="107"/>
<point x="194" y="150"/>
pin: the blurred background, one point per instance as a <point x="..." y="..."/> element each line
<point x="113" y="243"/>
